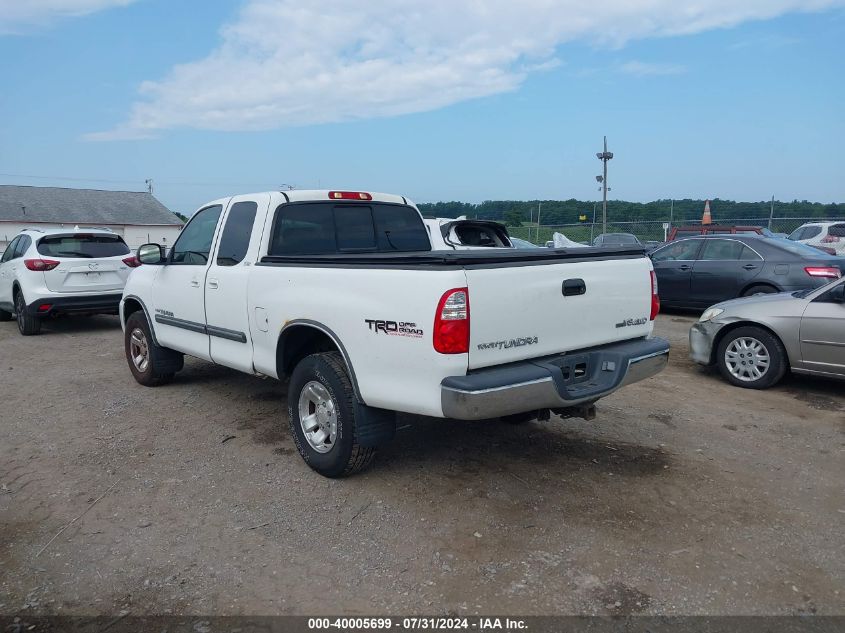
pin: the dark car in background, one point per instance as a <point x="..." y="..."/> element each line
<point x="700" y="271"/>
<point x="617" y="239"/>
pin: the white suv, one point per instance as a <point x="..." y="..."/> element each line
<point x="44" y="273"/>
<point x="827" y="235"/>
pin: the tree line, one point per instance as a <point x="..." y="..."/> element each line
<point x="517" y="212"/>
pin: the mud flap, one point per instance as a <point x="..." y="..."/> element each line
<point x="374" y="427"/>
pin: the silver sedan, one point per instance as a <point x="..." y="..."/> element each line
<point x="755" y="340"/>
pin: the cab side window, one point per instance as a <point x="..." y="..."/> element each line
<point x="236" y="233"/>
<point x="194" y="243"/>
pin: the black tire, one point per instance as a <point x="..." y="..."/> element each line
<point x="27" y="324"/>
<point x="5" y="316"/>
<point x="344" y="456"/>
<point x="777" y="365"/>
<point x="760" y="289"/>
<point x="161" y="363"/>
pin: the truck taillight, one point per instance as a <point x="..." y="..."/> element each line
<point x="451" y="322"/>
<point x="655" y="299"/>
<point x="823" y="271"/>
<point x="40" y="265"/>
<point x="132" y="261"/>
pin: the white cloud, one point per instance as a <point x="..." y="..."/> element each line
<point x="645" y="69"/>
<point x="20" y="14"/>
<point x="288" y="62"/>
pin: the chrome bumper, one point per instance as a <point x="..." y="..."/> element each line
<point x="551" y="383"/>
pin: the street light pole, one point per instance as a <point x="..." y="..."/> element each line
<point x="539" y="209"/>
<point x="604" y="157"/>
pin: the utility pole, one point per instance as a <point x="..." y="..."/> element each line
<point x="593" y="225"/>
<point x="149" y="183"/>
<point x="604" y="157"/>
<point x="539" y="209"/>
<point x="671" y="213"/>
<point x="771" y="213"/>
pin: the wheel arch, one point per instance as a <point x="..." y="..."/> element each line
<point x="753" y="283"/>
<point x="300" y="338"/>
<point x="132" y="304"/>
<point x="738" y="324"/>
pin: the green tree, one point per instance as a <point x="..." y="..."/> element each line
<point x="513" y="217"/>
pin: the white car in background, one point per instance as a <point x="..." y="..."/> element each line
<point x="825" y="235"/>
<point x="463" y="234"/>
<point x="45" y="273"/>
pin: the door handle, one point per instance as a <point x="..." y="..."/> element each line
<point x="749" y="266"/>
<point x="685" y="267"/>
<point x="195" y="283"/>
<point x="212" y="283"/>
<point x="574" y="287"/>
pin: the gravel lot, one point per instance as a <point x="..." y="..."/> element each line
<point x="684" y="496"/>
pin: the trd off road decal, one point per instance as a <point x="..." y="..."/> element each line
<point x="394" y="328"/>
<point x="514" y="342"/>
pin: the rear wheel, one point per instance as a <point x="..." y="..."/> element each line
<point x="27" y="324"/>
<point x="759" y="289"/>
<point x="751" y="357"/>
<point x="150" y="364"/>
<point x="321" y="415"/>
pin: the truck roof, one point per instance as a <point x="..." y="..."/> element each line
<point x="313" y="195"/>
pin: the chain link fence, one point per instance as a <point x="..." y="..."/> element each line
<point x="647" y="231"/>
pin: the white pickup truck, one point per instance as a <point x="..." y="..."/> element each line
<point x="341" y="293"/>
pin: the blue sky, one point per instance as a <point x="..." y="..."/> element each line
<point x="455" y="106"/>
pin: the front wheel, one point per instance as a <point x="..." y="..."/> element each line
<point x="150" y="364"/>
<point x="751" y="357"/>
<point x="321" y="415"/>
<point x="27" y="324"/>
<point x="5" y="316"/>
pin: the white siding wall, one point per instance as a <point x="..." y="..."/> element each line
<point x="133" y="235"/>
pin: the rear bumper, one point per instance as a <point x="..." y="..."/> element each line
<point x="552" y="382"/>
<point x="88" y="304"/>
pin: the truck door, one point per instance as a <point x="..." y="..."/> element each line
<point x="226" y="307"/>
<point x="178" y="290"/>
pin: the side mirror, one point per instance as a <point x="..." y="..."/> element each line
<point x="151" y="254"/>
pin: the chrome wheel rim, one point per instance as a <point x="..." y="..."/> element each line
<point x="318" y="416"/>
<point x="747" y="359"/>
<point x="139" y="350"/>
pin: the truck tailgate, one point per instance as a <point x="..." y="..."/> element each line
<point x="523" y="311"/>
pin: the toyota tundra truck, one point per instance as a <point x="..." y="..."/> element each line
<point x="340" y="293"/>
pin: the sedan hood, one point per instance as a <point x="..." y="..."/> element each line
<point x="769" y="299"/>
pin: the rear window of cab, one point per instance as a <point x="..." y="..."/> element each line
<point x="83" y="246"/>
<point x="325" y="228"/>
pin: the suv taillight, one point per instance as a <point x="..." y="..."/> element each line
<point x="40" y="265"/>
<point x="132" y="261"/>
<point x="823" y="271"/>
<point x="451" y="322"/>
<point x="655" y="299"/>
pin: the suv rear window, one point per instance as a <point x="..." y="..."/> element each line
<point x="82" y="245"/>
<point x="325" y="228"/>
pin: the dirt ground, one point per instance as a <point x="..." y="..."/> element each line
<point x="684" y="496"/>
